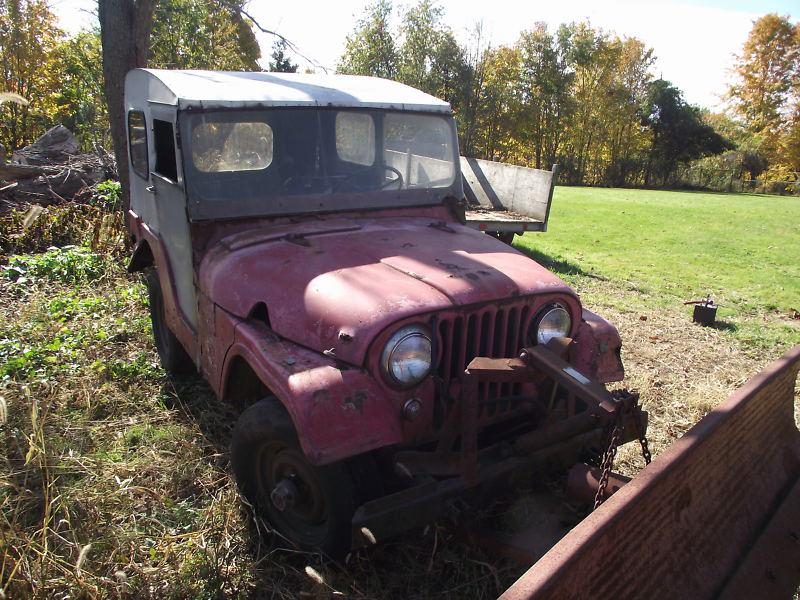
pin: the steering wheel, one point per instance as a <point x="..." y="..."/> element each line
<point x="398" y="180"/>
<point x="347" y="180"/>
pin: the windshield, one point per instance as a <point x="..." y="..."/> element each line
<point x="299" y="159"/>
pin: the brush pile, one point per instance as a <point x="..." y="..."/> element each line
<point x="52" y="170"/>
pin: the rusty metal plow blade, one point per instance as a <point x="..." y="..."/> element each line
<point x="717" y="515"/>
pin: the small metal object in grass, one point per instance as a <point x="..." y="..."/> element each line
<point x="705" y="311"/>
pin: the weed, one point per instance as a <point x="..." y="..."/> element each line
<point x="97" y="224"/>
<point x="69" y="264"/>
<point x="108" y="196"/>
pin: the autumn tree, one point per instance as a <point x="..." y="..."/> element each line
<point x="28" y="35"/>
<point x="370" y="48"/>
<point x="766" y="93"/>
<point x="766" y="68"/>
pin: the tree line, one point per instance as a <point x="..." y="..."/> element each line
<point x="577" y="96"/>
<point x="587" y="99"/>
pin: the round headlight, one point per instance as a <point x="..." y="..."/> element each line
<point x="553" y="322"/>
<point x="406" y="358"/>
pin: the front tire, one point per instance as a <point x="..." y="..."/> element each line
<point x="310" y="505"/>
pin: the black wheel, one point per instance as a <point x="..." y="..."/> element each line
<point x="173" y="357"/>
<point x="309" y="505"/>
<point x="507" y="237"/>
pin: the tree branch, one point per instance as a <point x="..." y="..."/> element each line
<point x="286" y="41"/>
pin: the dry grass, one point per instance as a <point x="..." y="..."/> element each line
<point x="681" y="370"/>
<point x="115" y="482"/>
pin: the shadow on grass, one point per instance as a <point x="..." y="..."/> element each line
<point x="725" y="326"/>
<point x="557" y="265"/>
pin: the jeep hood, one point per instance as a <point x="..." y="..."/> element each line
<point x="336" y="284"/>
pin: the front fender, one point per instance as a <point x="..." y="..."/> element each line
<point x="596" y="351"/>
<point x="337" y="412"/>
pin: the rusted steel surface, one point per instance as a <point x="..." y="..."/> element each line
<point x="701" y="518"/>
<point x="419" y="505"/>
<point x="361" y="280"/>
<point x="771" y="568"/>
<point x="596" y="352"/>
<point x="583" y="481"/>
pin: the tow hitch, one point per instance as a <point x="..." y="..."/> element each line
<point x="606" y="420"/>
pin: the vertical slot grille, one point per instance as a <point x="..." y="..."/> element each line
<point x="492" y="331"/>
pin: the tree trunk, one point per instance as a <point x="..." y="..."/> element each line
<point x="125" y="35"/>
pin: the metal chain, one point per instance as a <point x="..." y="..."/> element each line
<point x="608" y="458"/>
<point x="637" y="423"/>
<point x="608" y="462"/>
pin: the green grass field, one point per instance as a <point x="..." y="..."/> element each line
<point x="673" y="246"/>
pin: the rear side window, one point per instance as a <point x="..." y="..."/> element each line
<point x="137" y="142"/>
<point x="164" y="142"/>
<point x="355" y="138"/>
<point x="219" y="146"/>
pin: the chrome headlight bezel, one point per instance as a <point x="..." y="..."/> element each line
<point x="557" y="321"/>
<point x="408" y="334"/>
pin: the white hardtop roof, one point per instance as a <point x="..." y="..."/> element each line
<point x="232" y="89"/>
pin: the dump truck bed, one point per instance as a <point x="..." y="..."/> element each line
<point x="502" y="220"/>
<point x="717" y="515"/>
<point x="503" y="198"/>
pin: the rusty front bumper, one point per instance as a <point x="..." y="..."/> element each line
<point x="457" y="466"/>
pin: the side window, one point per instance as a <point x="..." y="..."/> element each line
<point x="164" y="142"/>
<point x="137" y="142"/>
<point x="219" y="146"/>
<point x="355" y="138"/>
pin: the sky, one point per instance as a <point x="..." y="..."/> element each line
<point x="694" y="41"/>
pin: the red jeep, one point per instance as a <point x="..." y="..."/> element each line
<point x="306" y="250"/>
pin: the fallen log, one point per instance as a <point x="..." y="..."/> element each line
<point x="15" y="172"/>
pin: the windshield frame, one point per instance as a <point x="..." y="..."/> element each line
<point x="202" y="207"/>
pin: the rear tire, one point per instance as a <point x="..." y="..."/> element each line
<point x="265" y="452"/>
<point x="173" y="357"/>
<point x="507" y="237"/>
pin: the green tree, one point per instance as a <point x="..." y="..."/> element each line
<point x="281" y="63"/>
<point x="678" y="131"/>
<point x="430" y="58"/>
<point x="467" y="117"/>
<point x="546" y="79"/>
<point x="28" y="35"/>
<point x="371" y="49"/>
<point x="497" y="133"/>
<point x="202" y="34"/>
<point x="79" y="101"/>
